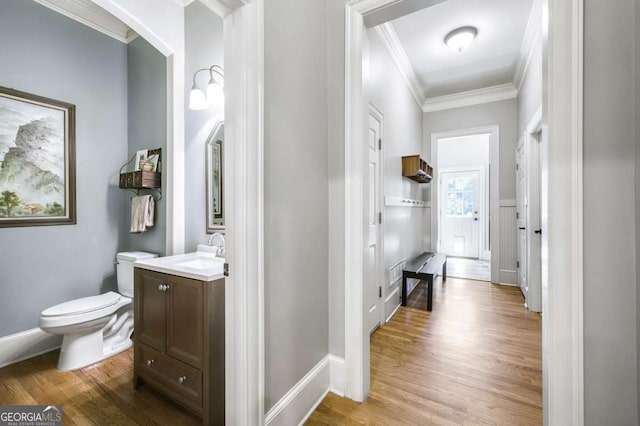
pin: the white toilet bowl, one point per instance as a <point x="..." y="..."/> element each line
<point x="95" y="327"/>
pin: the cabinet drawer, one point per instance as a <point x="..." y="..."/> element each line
<point x="177" y="376"/>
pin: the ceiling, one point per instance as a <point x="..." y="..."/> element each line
<point x="491" y="60"/>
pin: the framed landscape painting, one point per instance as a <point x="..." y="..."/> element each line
<point x="37" y="160"/>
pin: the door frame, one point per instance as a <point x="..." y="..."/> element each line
<point x="534" y="243"/>
<point x="563" y="348"/>
<point x="484" y="218"/>
<point x="494" y="191"/>
<point x="378" y="115"/>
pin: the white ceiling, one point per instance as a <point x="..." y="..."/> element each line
<point x="490" y="60"/>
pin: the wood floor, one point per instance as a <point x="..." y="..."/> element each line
<point x="476" y="359"/>
<point x="98" y="395"/>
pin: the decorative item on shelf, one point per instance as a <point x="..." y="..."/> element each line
<point x="145" y="164"/>
<point x="417" y="169"/>
<point x="215" y="90"/>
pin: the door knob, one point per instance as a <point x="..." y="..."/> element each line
<point x="522" y="228"/>
<point x="538" y="231"/>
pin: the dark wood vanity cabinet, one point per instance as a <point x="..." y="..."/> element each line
<point x="179" y="341"/>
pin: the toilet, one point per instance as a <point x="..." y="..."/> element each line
<point x="95" y="327"/>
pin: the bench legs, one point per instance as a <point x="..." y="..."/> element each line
<point x="429" y="293"/>
<point x="444" y="271"/>
<point x="403" y="302"/>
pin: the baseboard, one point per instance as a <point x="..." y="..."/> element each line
<point x="27" y="344"/>
<point x="295" y="407"/>
<point x="338" y="375"/>
<point x="508" y="277"/>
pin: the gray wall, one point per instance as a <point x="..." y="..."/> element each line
<point x="388" y="93"/>
<point x="50" y="55"/>
<point x="296" y="192"/>
<point x="530" y="95"/>
<point x="637" y="194"/>
<point x="502" y="113"/>
<point x="204" y="46"/>
<point x="610" y="311"/>
<point x="335" y="95"/>
<point x="147" y="129"/>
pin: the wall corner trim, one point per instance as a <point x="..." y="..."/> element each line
<point x="27" y="344"/>
<point x="532" y="33"/>
<point x="300" y="402"/>
<point x="500" y="92"/>
<point x="338" y="375"/>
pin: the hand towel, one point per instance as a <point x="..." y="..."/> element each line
<point x="142" y="208"/>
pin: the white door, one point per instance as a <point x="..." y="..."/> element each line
<point x="372" y="274"/>
<point x="521" y="219"/>
<point x="460" y="213"/>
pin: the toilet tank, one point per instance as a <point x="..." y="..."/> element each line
<point x="124" y="268"/>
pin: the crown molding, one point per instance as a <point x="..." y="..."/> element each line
<point x="472" y="97"/>
<point x="364" y="7"/>
<point x="390" y="40"/>
<point x="531" y="35"/>
<point x="93" y="16"/>
<point x="217" y="7"/>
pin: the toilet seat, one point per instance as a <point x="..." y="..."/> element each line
<point x="82" y="310"/>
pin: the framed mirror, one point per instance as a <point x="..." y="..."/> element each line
<point x="214" y="175"/>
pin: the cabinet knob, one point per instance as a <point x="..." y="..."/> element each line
<point x="150" y="361"/>
<point x="163" y="287"/>
<point x="182" y="379"/>
<point x="167" y="287"/>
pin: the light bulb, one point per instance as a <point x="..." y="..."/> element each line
<point x="197" y="100"/>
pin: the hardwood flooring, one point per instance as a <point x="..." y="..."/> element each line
<point x="102" y="394"/>
<point x="476" y="359"/>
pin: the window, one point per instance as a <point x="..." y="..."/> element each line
<point x="460" y="197"/>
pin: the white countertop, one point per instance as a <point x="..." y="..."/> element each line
<point x="198" y="265"/>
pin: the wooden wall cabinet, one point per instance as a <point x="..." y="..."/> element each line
<point x="417" y="169"/>
<point x="179" y="341"/>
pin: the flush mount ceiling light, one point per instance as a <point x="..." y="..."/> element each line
<point x="215" y="90"/>
<point x="460" y="38"/>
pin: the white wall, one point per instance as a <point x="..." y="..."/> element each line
<point x="530" y="94"/>
<point x="335" y="142"/>
<point x="610" y="268"/>
<point x="296" y="192"/>
<point x="403" y="226"/>
<point x="204" y="46"/>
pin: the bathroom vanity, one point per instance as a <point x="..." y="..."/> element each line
<point x="179" y="331"/>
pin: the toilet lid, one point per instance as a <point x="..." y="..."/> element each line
<point x="82" y="305"/>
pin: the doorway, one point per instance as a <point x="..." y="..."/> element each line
<point x="561" y="150"/>
<point x="528" y="201"/>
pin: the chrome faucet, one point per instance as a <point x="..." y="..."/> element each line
<point x="221" y="249"/>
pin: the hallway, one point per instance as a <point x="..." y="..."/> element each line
<point x="475" y="359"/>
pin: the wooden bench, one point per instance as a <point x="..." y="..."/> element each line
<point x="424" y="267"/>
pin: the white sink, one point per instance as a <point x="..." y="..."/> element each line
<point x="199" y="265"/>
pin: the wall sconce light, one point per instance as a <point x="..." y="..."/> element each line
<point x="215" y="90"/>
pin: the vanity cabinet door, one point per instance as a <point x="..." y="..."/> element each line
<point x="185" y="320"/>
<point x="151" y="312"/>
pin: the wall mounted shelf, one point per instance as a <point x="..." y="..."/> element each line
<point x="141" y="179"/>
<point x="417" y="169"/>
